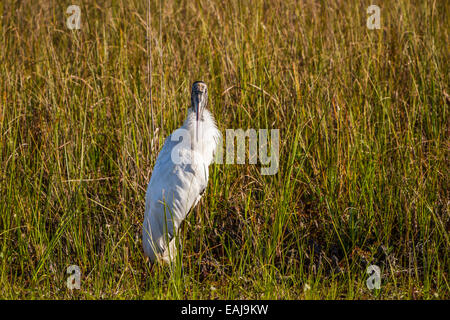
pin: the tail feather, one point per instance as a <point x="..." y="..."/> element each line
<point x="170" y="253"/>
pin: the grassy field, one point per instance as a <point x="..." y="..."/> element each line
<point x="363" y="174"/>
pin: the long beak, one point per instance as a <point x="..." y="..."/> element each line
<point x="198" y="103"/>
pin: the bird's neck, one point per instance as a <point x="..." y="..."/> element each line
<point x="205" y="136"/>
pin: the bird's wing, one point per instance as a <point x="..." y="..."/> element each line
<point x="173" y="190"/>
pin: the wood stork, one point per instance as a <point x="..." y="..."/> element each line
<point x="179" y="178"/>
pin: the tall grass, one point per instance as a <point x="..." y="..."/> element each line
<point x="364" y="126"/>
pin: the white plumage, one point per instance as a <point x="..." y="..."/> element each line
<point x="179" y="178"/>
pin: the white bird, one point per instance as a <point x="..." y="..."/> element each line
<point x="179" y="178"/>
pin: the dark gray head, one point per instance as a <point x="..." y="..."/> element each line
<point x="199" y="98"/>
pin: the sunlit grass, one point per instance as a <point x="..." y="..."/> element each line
<point x="363" y="175"/>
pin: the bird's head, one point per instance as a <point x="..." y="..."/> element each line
<point x="199" y="98"/>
